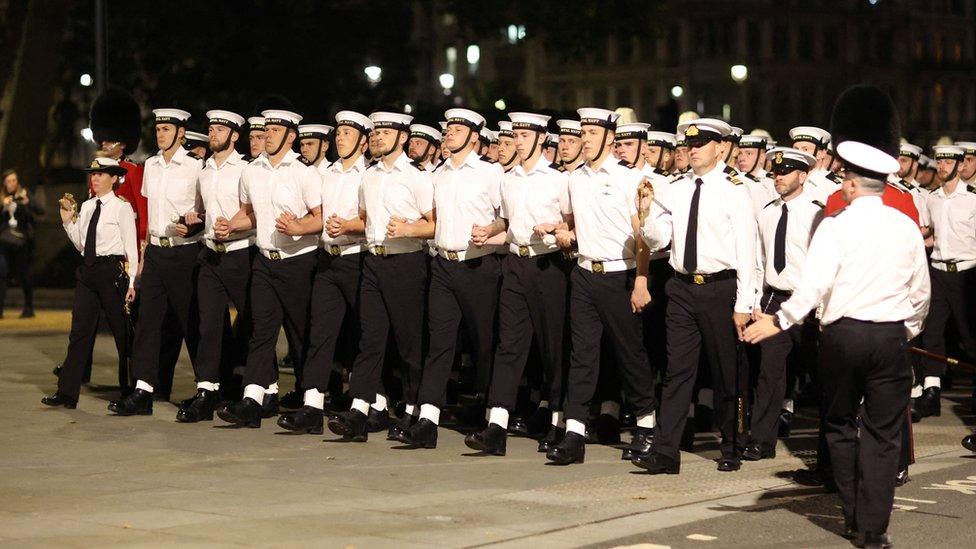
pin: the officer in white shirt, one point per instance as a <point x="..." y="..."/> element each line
<point x="278" y="194"/>
<point x="950" y="211"/>
<point x="423" y="145"/>
<point x="104" y="232"/>
<point x="967" y="168"/>
<point x="508" y="156"/>
<point x="335" y="289"/>
<point x="608" y="285"/>
<point x="786" y="226"/>
<point x="707" y="217"/>
<point x="171" y="185"/>
<point x="750" y="162"/>
<point x="313" y="143"/>
<point x="535" y="202"/>
<point x="396" y="201"/>
<point x="867" y="265"/>
<point x="224" y="268"/>
<point x="820" y="183"/>
<point x="464" y="274"/>
<point x="570" y="144"/>
<point x="255" y="137"/>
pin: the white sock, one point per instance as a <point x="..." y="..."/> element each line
<point x="574" y="426"/>
<point x="430" y="412"/>
<point x="410" y="410"/>
<point x="315" y="399"/>
<point x="788" y="405"/>
<point x="498" y="416"/>
<point x="706" y="397"/>
<point x="933" y="381"/>
<point x="916" y="391"/>
<point x="543" y="404"/>
<point x="272" y="389"/>
<point x="140" y="384"/>
<point x="380" y="404"/>
<point x="361" y="405"/>
<point x="254" y="392"/>
<point x="558" y="420"/>
<point x="691" y="410"/>
<point x="208" y="385"/>
<point x="647" y="422"/>
<point x="610" y="408"/>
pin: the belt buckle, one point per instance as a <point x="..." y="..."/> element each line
<point x="452" y="256"/>
<point x="165" y="242"/>
<point x="274" y="255"/>
<point x="220" y="247"/>
<point x="698" y="279"/>
<point x="334" y="250"/>
<point x="597" y="266"/>
<point x="951" y="267"/>
<point x="523" y="251"/>
<point x="379" y="250"/>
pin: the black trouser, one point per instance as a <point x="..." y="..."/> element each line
<point x="223" y="279"/>
<point x="955" y="294"/>
<point x="598" y="304"/>
<point x="168" y="281"/>
<point x="865" y="360"/>
<point x="460" y="292"/>
<point x="777" y="351"/>
<point x="100" y="287"/>
<point x="280" y="292"/>
<point x="335" y="295"/>
<point x="698" y="315"/>
<point x="21" y="258"/>
<point x="532" y="302"/>
<point x="391" y="298"/>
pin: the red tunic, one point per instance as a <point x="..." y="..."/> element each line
<point x="131" y="190"/>
<point x="892" y="197"/>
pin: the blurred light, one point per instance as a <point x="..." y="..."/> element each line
<point x="727" y="111"/>
<point x="451" y="54"/>
<point x="85" y="80"/>
<point x="473" y="54"/>
<point x="873" y="2"/>
<point x="739" y="72"/>
<point x="446" y="80"/>
<point x="677" y="91"/>
<point x="500" y="104"/>
<point x="514" y="33"/>
<point x="88" y="135"/>
<point x="407" y="108"/>
<point x="373" y="73"/>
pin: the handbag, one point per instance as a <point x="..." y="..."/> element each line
<point x="12" y="238"/>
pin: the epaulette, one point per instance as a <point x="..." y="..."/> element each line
<point x="192" y="154"/>
<point x="835" y="178"/>
<point x="770" y="203"/>
<point x="555" y="166"/>
<point x="659" y="171"/>
<point x="304" y="160"/>
<point x="625" y="163"/>
<point x="488" y="160"/>
<point x="561" y="168"/>
<point x="417" y="164"/>
<point x="752" y="177"/>
<point x="678" y="177"/>
<point x="733" y="175"/>
<point x="819" y="203"/>
<point x="907" y="185"/>
<point x="971" y="189"/>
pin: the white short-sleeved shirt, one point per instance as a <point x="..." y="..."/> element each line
<point x="172" y="190"/>
<point x="340" y="196"/>
<point x="953" y="221"/>
<point x="465" y="195"/>
<point x="220" y="189"/>
<point x="603" y="202"/>
<point x="404" y="190"/>
<point x="290" y="187"/>
<point x="531" y="198"/>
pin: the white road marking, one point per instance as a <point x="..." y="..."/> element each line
<point x="900" y="507"/>
<point x="916" y="500"/>
<point x="701" y="537"/>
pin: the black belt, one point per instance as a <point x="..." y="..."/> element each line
<point x="700" y="279"/>
<point x="109" y="259"/>
<point x="848" y="321"/>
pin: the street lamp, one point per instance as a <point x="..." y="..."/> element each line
<point x="447" y="82"/>
<point x="677" y="91"/>
<point x="374" y="74"/>
<point x="500" y="104"/>
<point x="85" y="80"/>
<point x="739" y="73"/>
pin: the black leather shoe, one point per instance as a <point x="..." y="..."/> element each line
<point x="815" y="477"/>
<point x="137" y="403"/>
<point x="687" y="443"/>
<point x="551" y="439"/>
<point x="377" y="420"/>
<point x="57" y="399"/>
<point x="492" y="440"/>
<point x="930" y="403"/>
<point x="607" y="429"/>
<point x="398" y="430"/>
<point x="969" y="442"/>
<point x="199" y="408"/>
<point x="308" y="419"/>
<point x="640" y="444"/>
<point x="757" y="451"/>
<point x="871" y="540"/>
<point x="292" y="400"/>
<point x="850" y="532"/>
<point x="571" y="449"/>
<point x="657" y="464"/>
<point x="422" y="434"/>
<point x="244" y="413"/>
<point x="901" y="478"/>
<point x="915" y="413"/>
<point x="785" y="425"/>
<point x="351" y="426"/>
<point x="728" y="464"/>
<point x="269" y="405"/>
<point x="57" y="371"/>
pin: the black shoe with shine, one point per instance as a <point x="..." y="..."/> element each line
<point x="815" y="477"/>
<point x="930" y="403"/>
<point x="758" y="450"/>
<point x="607" y="429"/>
<point x="657" y="464"/>
<point x="351" y="426"/>
<point x="728" y="464"/>
<point x="422" y="434"/>
<point x="269" y="405"/>
<point x="871" y="540"/>
<point x="57" y="371"/>
<point x="398" y="430"/>
<point x="57" y="399"/>
<point x="308" y="420"/>
<point x="292" y="400"/>
<point x="901" y="478"/>
<point x="244" y="413"/>
<point x="377" y="420"/>
<point x="785" y="425"/>
<point x="915" y="413"/>
<point x="640" y="444"/>
<point x="199" y="408"/>
<point x="551" y="439"/>
<point x="137" y="403"/>
<point x="571" y="449"/>
<point x="969" y="442"/>
<point x="491" y="440"/>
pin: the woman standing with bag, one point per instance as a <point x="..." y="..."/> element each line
<point x="17" y="237"/>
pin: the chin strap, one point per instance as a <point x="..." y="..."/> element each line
<point x="359" y="144"/>
<point x="282" y="144"/>
<point x="394" y="146"/>
<point x="466" y="140"/>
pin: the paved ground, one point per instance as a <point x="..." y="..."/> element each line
<point x="83" y="478"/>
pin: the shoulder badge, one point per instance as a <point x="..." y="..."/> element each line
<point x="752" y="177"/>
<point x="970" y="189"/>
<point x="486" y="159"/>
<point x="733" y="175"/>
<point x="833" y="176"/>
<point x="659" y="171"/>
<point x="417" y="164"/>
<point x="556" y="167"/>
<point x="625" y="164"/>
<point x="304" y="160"/>
<point x="192" y="154"/>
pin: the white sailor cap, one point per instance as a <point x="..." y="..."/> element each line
<point x="866" y="160"/>
<point x="466" y="117"/>
<point x="948" y="152"/>
<point x="752" y="141"/>
<point x="925" y="162"/>
<point x="735" y="133"/>
<point x="703" y="130"/>
<point x="443" y="125"/>
<point x="679" y="140"/>
<point x="552" y="140"/>
<point x="770" y="144"/>
<point x="487" y="136"/>
<point x="256" y="123"/>
<point x="354" y="119"/>
<point x="909" y="150"/>
<point x="661" y="139"/>
<point x="818" y="136"/>
<point x="394" y="120"/>
<point x="316" y="131"/>
<point x="107" y="165"/>
<point x="596" y="116"/>
<point x="968" y="147"/>
<point x="230" y="119"/>
<point x="569" y="127"/>
<point x="171" y="116"/>
<point x="632" y="130"/>
<point x="195" y="137"/>
<point x="284" y="118"/>
<point x="424" y="131"/>
<point x="505" y="129"/>
<point x="529" y="121"/>
<point x="787" y="159"/>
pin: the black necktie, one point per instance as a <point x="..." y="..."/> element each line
<point x="691" y="237"/>
<point x="90" y="252"/>
<point x="779" y="244"/>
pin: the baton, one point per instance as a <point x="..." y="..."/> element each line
<point x="948" y="361"/>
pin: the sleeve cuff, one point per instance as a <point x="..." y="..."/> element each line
<point x="784" y="323"/>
